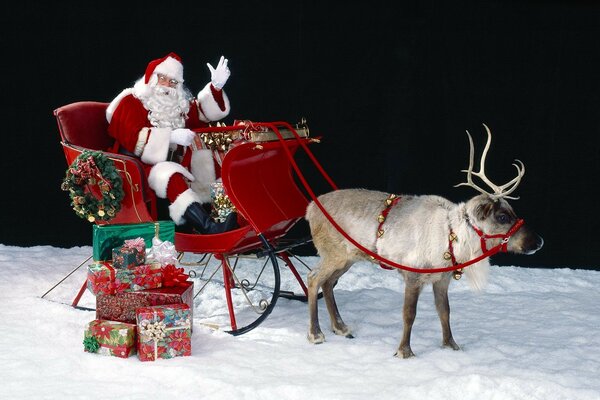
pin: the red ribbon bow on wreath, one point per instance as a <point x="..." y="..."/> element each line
<point x="173" y="276"/>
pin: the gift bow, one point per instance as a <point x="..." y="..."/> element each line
<point x="154" y="330"/>
<point x="162" y="252"/>
<point x="173" y="276"/>
<point x="92" y="345"/>
<point x="137" y="243"/>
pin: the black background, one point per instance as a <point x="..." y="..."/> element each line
<point x="390" y="87"/>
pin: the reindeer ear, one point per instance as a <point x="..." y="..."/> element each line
<point x="483" y="210"/>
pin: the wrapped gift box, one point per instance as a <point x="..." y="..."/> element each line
<point x="128" y="256"/>
<point x="107" y="237"/>
<point x="122" y="306"/>
<point x="164" y="332"/>
<point x="221" y="206"/>
<point x="110" y="338"/>
<point x="104" y="278"/>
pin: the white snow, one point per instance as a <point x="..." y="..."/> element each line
<point x="532" y="334"/>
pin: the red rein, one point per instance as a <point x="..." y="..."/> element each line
<point x="486" y="253"/>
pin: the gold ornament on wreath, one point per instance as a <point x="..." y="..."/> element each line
<point x="95" y="186"/>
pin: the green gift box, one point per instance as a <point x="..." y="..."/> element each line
<point x="107" y="237"/>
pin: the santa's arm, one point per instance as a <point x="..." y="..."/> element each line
<point x="213" y="104"/>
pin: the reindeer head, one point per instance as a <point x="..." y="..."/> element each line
<point x="489" y="213"/>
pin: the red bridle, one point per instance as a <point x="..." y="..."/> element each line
<point x="504" y="236"/>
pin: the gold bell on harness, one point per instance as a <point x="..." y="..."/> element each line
<point x="457" y="274"/>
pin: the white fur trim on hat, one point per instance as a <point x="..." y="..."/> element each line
<point x="157" y="147"/>
<point x="209" y="107"/>
<point x="203" y="169"/>
<point x="181" y="203"/>
<point x="159" y="176"/>
<point x="171" y="68"/>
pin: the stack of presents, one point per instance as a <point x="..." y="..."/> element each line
<point x="144" y="303"/>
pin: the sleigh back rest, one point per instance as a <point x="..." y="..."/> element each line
<point x="84" y="124"/>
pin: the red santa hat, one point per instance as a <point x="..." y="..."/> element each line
<point x="170" y="65"/>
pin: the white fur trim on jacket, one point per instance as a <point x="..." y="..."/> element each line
<point x="203" y="169"/>
<point x="157" y="147"/>
<point x="159" y="176"/>
<point x="209" y="107"/>
<point x="181" y="203"/>
<point x="113" y="104"/>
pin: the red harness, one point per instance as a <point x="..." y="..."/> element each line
<point x="359" y="246"/>
<point x="393" y="199"/>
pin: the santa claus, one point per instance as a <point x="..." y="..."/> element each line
<point x="153" y="121"/>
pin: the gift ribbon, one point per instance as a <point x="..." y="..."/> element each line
<point x="173" y="276"/>
<point x="157" y="330"/>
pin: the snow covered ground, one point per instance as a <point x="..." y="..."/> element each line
<point x="532" y="334"/>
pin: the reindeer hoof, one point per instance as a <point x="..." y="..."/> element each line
<point x="317" y="338"/>
<point x="404" y="353"/>
<point x="344" y="331"/>
<point x="451" y="344"/>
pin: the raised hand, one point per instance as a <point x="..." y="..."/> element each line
<point x="219" y="75"/>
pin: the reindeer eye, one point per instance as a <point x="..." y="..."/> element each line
<point x="503" y="218"/>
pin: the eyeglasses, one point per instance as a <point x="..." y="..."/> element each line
<point x="163" y="79"/>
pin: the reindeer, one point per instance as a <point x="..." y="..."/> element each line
<point x="425" y="232"/>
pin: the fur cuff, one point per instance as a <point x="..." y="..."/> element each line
<point x="203" y="169"/>
<point x="209" y="107"/>
<point x="159" y="176"/>
<point x="157" y="148"/>
<point x="178" y="207"/>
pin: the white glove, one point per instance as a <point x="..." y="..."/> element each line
<point x="182" y="136"/>
<point x="219" y="75"/>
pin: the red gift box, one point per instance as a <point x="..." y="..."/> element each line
<point x="104" y="278"/>
<point x="122" y="306"/>
<point x="164" y="332"/>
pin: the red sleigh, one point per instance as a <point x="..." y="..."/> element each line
<point x="259" y="179"/>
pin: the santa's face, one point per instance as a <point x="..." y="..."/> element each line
<point x="164" y="80"/>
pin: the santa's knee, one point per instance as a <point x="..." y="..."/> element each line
<point x="167" y="177"/>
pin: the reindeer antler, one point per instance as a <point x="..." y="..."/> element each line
<point x="501" y="191"/>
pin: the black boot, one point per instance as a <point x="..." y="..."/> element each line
<point x="201" y="221"/>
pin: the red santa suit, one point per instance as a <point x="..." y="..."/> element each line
<point x="130" y="125"/>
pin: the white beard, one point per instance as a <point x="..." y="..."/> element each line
<point x="167" y="107"/>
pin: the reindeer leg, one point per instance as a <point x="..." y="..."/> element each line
<point x="440" y="293"/>
<point x="409" y="312"/>
<point x="337" y="324"/>
<point x="315" y="280"/>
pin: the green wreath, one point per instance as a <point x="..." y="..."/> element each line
<point x="91" y="170"/>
